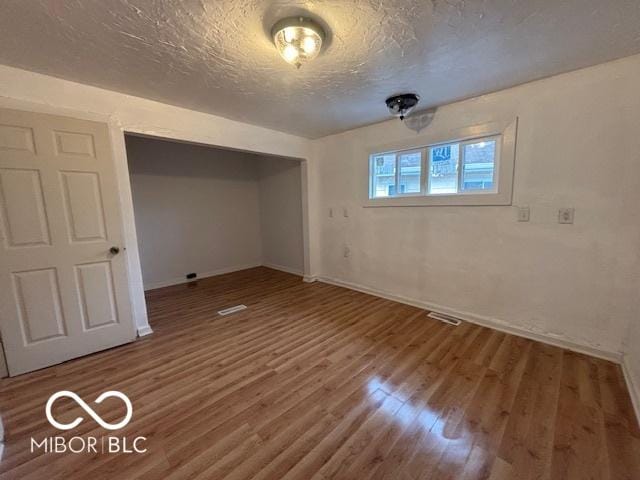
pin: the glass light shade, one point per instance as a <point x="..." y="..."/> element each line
<point x="297" y="39"/>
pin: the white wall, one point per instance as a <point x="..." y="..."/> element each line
<point x="578" y="146"/>
<point x="35" y="92"/>
<point x="281" y="214"/>
<point x="196" y="209"/>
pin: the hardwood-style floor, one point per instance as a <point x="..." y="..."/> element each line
<point x="314" y="381"/>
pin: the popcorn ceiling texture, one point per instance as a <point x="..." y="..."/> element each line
<point x="217" y="57"/>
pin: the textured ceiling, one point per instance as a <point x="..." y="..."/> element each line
<point x="216" y="56"/>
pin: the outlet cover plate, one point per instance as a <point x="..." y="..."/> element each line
<point x="565" y="216"/>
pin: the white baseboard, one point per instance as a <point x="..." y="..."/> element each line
<point x="484" y="321"/>
<point x="282" y="268"/>
<point x="632" y="386"/>
<point x="143" y="331"/>
<point x="309" y="279"/>
<point x="201" y="275"/>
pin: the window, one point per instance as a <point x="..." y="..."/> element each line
<point x="451" y="169"/>
<point x="409" y="172"/>
<point x="443" y="169"/>
<point x="479" y="166"/>
<point x="477" y="169"/>
<point x="383" y="175"/>
<point x="396" y="173"/>
<point x="463" y="167"/>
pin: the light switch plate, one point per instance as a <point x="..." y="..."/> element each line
<point x="565" y="215"/>
<point x="523" y="214"/>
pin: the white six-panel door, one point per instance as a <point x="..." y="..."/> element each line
<point x="63" y="293"/>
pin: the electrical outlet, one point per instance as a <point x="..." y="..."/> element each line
<point x="345" y="212"/>
<point x="523" y="214"/>
<point x="330" y="212"/>
<point x="346" y="252"/>
<point x="565" y="215"/>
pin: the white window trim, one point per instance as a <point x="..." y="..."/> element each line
<point x="504" y="173"/>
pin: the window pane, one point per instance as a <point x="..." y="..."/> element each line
<point x="384" y="175"/>
<point x="479" y="166"/>
<point x="443" y="168"/>
<point x="410" y="166"/>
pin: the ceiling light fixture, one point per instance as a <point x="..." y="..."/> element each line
<point x="298" y="39"/>
<point x="401" y="105"/>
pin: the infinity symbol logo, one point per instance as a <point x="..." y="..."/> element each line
<point x="89" y="410"/>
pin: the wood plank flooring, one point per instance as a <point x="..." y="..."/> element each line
<point x="314" y="382"/>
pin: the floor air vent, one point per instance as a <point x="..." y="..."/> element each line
<point x="443" y="317"/>
<point x="229" y="311"/>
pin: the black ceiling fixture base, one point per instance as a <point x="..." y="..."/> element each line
<point x="401" y="105"/>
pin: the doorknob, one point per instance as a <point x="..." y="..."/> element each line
<point x="114" y="250"/>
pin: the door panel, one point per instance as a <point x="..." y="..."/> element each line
<point x="83" y="206"/>
<point x="13" y="137"/>
<point x="23" y="208"/>
<point x="39" y="306"/>
<point x="74" y="143"/>
<point x="95" y="287"/>
<point x="62" y="293"/>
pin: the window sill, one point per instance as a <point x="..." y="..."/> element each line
<point x="465" y="200"/>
